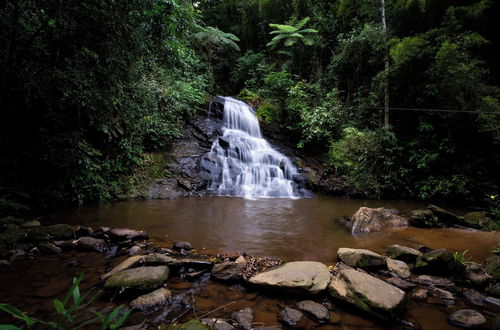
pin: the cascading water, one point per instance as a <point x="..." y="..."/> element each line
<point x="250" y="167"/>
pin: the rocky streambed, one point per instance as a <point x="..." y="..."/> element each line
<point x="164" y="285"/>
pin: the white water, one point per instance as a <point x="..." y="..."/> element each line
<point x="251" y="168"/>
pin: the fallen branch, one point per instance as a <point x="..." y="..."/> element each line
<point x="215" y="310"/>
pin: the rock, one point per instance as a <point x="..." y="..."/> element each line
<point x="476" y="274"/>
<point x="31" y="224"/>
<point x="134" y="250"/>
<point x="360" y="258"/>
<point x="367" y="220"/>
<point x="223" y="143"/>
<point x="16" y="255"/>
<point x="439" y="261"/>
<point x="494" y="290"/>
<point x="10" y="238"/>
<point x="150" y="259"/>
<point x="229" y="271"/>
<point x="466" y="318"/>
<point x="66" y="245"/>
<point x="402" y="284"/>
<point x="191" y="325"/>
<point x="367" y="293"/>
<point x="4" y="263"/>
<point x="49" y="248"/>
<point x="84" y="231"/>
<point x="91" y="244"/>
<point x="152" y="299"/>
<point x="433" y="280"/>
<point x="444" y="216"/>
<point x="244" y="318"/>
<point x="492" y="303"/>
<point x="51" y="233"/>
<point x="398" y="267"/>
<point x="138" y="279"/>
<point x="290" y="316"/>
<point x="424" y="218"/>
<point x="302" y="276"/>
<point x="179" y="246"/>
<point x="217" y="324"/>
<point x="123" y="234"/>
<point x="318" y="311"/>
<point x="493" y="267"/>
<point x="479" y="220"/>
<point x="420" y="294"/>
<point x="447" y="297"/>
<point x="495" y="325"/>
<point x="272" y="327"/>
<point x="403" y="253"/>
<point x="474" y="297"/>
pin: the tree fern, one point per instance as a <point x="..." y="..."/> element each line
<point x="291" y="34"/>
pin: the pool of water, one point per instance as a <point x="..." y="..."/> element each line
<point x="300" y="229"/>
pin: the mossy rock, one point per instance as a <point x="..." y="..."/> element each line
<point x="438" y="262"/>
<point x="50" y="233"/>
<point x="493" y="267"/>
<point x="138" y="279"/>
<point x="424" y="218"/>
<point x="10" y="238"/>
<point x="191" y="325"/>
<point x="479" y="220"/>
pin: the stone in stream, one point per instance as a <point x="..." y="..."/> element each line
<point x="398" y="267"/>
<point x="467" y="318"/>
<point x="479" y="220"/>
<point x="493" y="267"/>
<point x="244" y="318"/>
<point x="297" y="276"/>
<point x="134" y="250"/>
<point x="444" y="216"/>
<point x="433" y="280"/>
<point x="91" y="244"/>
<point x="49" y="248"/>
<point x="229" y="271"/>
<point x="400" y="283"/>
<point x="50" y="233"/>
<point x="438" y="261"/>
<point x="318" y="311"/>
<point x="150" y="259"/>
<point x="179" y="246"/>
<point x="138" y="279"/>
<point x="4" y="263"/>
<point x="474" y="297"/>
<point x="424" y="218"/>
<point x="65" y="245"/>
<point x="420" y="294"/>
<point x="403" y="253"/>
<point x="367" y="293"/>
<point x="367" y="220"/>
<point x="152" y="299"/>
<point x="360" y="258"/>
<point x="217" y="324"/>
<point x="494" y="290"/>
<point x="123" y="234"/>
<point x="31" y="224"/>
<point x="444" y="296"/>
<point x="290" y="316"/>
<point x="476" y="274"/>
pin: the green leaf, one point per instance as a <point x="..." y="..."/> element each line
<point x="18" y="314"/>
<point x="59" y="306"/>
<point x="9" y="327"/>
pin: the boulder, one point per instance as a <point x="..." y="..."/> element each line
<point x="403" y="253"/>
<point x="150" y="300"/>
<point x="217" y="324"/>
<point x="367" y="220"/>
<point x="360" y="258"/>
<point x="229" y="271"/>
<point x="494" y="290"/>
<point x="50" y="233"/>
<point x="123" y="234"/>
<point x="318" y="311"/>
<point x="290" y="316"/>
<point x="49" y="248"/>
<point x="91" y="244"/>
<point x="467" y="318"/>
<point x="298" y="276"/>
<point x="398" y="267"/>
<point x="479" y="220"/>
<point x="150" y="259"/>
<point x="433" y="280"/>
<point x="493" y="267"/>
<point x="424" y="218"/>
<point x="179" y="246"/>
<point x="138" y="279"/>
<point x="437" y="262"/>
<point x="444" y="216"/>
<point x="367" y="293"/>
<point x="420" y="294"/>
<point x="447" y="298"/>
<point x="473" y="297"/>
<point x="400" y="283"/>
<point x="65" y="245"/>
<point x="476" y="274"/>
<point x="244" y="318"/>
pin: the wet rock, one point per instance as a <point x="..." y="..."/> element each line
<point x="49" y="248"/>
<point x="494" y="290"/>
<point x="367" y="293"/>
<point x="318" y="311"/>
<point x="492" y="303"/>
<point x="403" y="253"/>
<point x="444" y="216"/>
<point x="433" y="280"/>
<point x="91" y="244"/>
<point x="439" y="261"/>
<point x="4" y="263"/>
<point x="123" y="234"/>
<point x="447" y="297"/>
<point x="229" y="271"/>
<point x="51" y="233"/>
<point x="84" y="231"/>
<point x="467" y="318"/>
<point x="150" y="259"/>
<point x="360" y="258"/>
<point x="66" y="245"/>
<point x="290" y="316"/>
<point x="179" y="246"/>
<point x="16" y="255"/>
<point x="152" y="299"/>
<point x="31" y="224"/>
<point x="398" y="267"/>
<point x="138" y="279"/>
<point x="244" y="318"/>
<point x="479" y="220"/>
<point x="217" y="324"/>
<point x="474" y="297"/>
<point x="400" y="283"/>
<point x="223" y="143"/>
<point x="298" y="276"/>
<point x="420" y="294"/>
<point x="476" y="274"/>
<point x="367" y="220"/>
<point x="134" y="250"/>
<point x="272" y="327"/>
<point x="424" y="218"/>
<point x="493" y="267"/>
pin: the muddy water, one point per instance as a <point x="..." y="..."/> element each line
<point x="302" y="229"/>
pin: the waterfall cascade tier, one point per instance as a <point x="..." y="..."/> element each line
<point x="246" y="164"/>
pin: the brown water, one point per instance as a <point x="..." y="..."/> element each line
<point x="302" y="229"/>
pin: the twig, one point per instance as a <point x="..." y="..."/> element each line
<point x="218" y="308"/>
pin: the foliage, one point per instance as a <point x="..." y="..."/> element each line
<point x="213" y="37"/>
<point x="291" y="34"/>
<point x="68" y="314"/>
<point x="459" y="258"/>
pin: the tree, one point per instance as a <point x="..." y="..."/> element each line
<point x="291" y="34"/>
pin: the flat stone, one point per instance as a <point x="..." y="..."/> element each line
<point x="244" y="318"/>
<point x="360" y="258"/>
<point x="123" y="234"/>
<point x="474" y="297"/>
<point x="217" y="324"/>
<point x="139" y="279"/>
<point x="229" y="271"/>
<point x="91" y="244"/>
<point x="442" y="294"/>
<point x="367" y="220"/>
<point x="367" y="293"/>
<point x="302" y="276"/>
<point x="400" y="283"/>
<point x="433" y="280"/>
<point x="150" y="300"/>
<point x="403" y="253"/>
<point x="467" y="318"/>
<point x="318" y="311"/>
<point x="150" y="259"/>
<point x="398" y="267"/>
<point x="290" y="316"/>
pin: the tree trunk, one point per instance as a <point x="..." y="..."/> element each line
<point x="386" y="66"/>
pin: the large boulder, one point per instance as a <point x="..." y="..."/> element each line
<point x="298" y="276"/>
<point x="360" y="258"/>
<point x="403" y="253"/>
<point x="479" y="220"/>
<point x="438" y="262"/>
<point x="444" y="216"/>
<point x="367" y="220"/>
<point x="424" y="218"/>
<point x="138" y="279"/>
<point x="367" y="293"/>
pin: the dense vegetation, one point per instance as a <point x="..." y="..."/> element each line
<point x="88" y="86"/>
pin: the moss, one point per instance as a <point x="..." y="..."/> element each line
<point x="191" y="325"/>
<point x="50" y="233"/>
<point x="478" y="220"/>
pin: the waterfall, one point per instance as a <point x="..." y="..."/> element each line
<point x="248" y="166"/>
